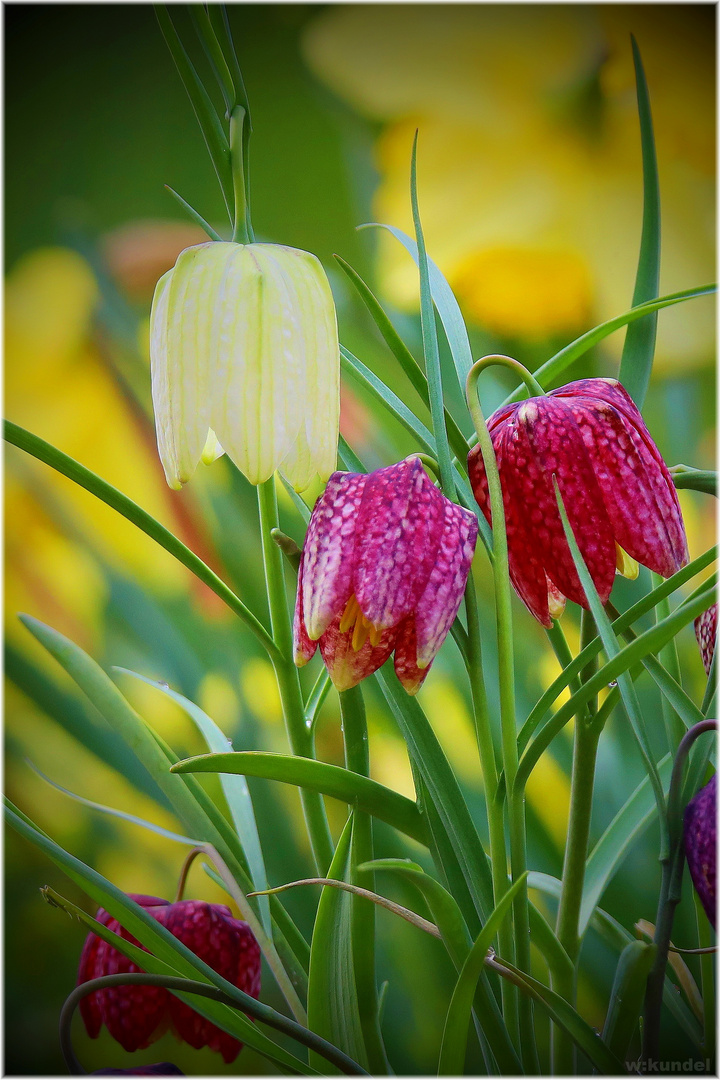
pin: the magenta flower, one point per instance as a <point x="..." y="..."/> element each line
<point x="137" y="1015"/>
<point x="700" y="840"/>
<point x="706" y="634"/>
<point x="618" y="494"/>
<point x="384" y="568"/>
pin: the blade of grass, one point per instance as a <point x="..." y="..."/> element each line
<point x="98" y="487"/>
<point x="639" y="347"/>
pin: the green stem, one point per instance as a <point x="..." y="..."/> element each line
<point x="488" y="764"/>
<point x="501" y="360"/>
<point x="357" y="759"/>
<point x="573" y="876"/>
<point x="237" y="160"/>
<point x="299" y="734"/>
<point x="506" y="679"/>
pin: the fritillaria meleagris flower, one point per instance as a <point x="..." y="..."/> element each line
<point x="706" y="634"/>
<point x="618" y="494"/>
<point x="384" y="568"/>
<point x="137" y="1015"/>
<point x="700" y="840"/>
<point x="245" y="358"/>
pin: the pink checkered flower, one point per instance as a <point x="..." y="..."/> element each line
<point x="384" y="568"/>
<point x="700" y="842"/>
<point x="137" y="1015"/>
<point x="619" y="496"/>
<point x="706" y="634"/>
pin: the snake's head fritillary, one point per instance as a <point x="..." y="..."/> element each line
<point x="245" y="359"/>
<point x="617" y="491"/>
<point x="384" y="568"/>
<point x="137" y="1015"/>
<point x="700" y="840"/>
<point x="706" y="634"/>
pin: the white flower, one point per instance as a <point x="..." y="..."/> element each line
<point x="245" y="359"/>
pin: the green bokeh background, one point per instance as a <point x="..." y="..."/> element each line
<point x="96" y="123"/>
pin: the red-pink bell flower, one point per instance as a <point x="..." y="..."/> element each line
<point x="618" y="494"/>
<point x="137" y="1015"/>
<point x="700" y="842"/>
<point x="706" y="634"/>
<point x="384" y="568"/>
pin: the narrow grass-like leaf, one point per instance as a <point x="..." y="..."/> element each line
<point x="546" y="940"/>
<point x="457" y="1022"/>
<point x="317" y="696"/>
<point x="415" y="374"/>
<point x="617" y="937"/>
<point x="563" y="1014"/>
<point x="214" y="53"/>
<point x="639" y="347"/>
<point x="212" y="130"/>
<point x="612" y="650"/>
<point x="333" y="780"/>
<point x="332" y="994"/>
<point x="76" y="472"/>
<point x="642" y="607"/>
<point x="166" y="951"/>
<point x="193" y="214"/>
<point x="651" y="641"/>
<point x="234" y="788"/>
<point x="628" y="824"/>
<point x="548" y="372"/>
<point x="445" y="302"/>
<point x="443" y="789"/>
<point x="626" y="996"/>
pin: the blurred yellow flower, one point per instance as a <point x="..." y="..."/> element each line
<point x="529" y="167"/>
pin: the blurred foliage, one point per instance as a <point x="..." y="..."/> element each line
<point x="96" y="123"/>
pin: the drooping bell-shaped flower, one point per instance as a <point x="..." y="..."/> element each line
<point x="617" y="491"/>
<point x="384" y="568"/>
<point x="700" y="840"/>
<point x="245" y="359"/>
<point x="137" y="1015"/>
<point x="706" y="634"/>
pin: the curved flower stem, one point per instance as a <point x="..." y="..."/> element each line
<point x="185" y="870"/>
<point x="241" y="233"/>
<point x="288" y="680"/>
<point x="670" y="891"/>
<point x="357" y="758"/>
<point x="250" y="1005"/>
<point x="501" y="360"/>
<point x="506" y="678"/>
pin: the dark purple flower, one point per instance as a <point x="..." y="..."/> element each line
<point x="618" y="493"/>
<point x="137" y="1015"/>
<point x="700" y="840"/>
<point x="384" y="568"/>
<point x="706" y="634"/>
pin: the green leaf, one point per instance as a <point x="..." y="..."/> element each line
<point x="167" y="954"/>
<point x="628" y="824"/>
<point x="193" y="214"/>
<point x="445" y="302"/>
<point x="563" y="1014"/>
<point x="639" y="347"/>
<point x="430" y="342"/>
<point x="333" y="780"/>
<point x="548" y="372"/>
<point x="76" y="472"/>
<point x="612" y="650"/>
<point x="457" y="1022"/>
<point x="642" y="607"/>
<point x="332" y="994"/>
<point x="626" y="996"/>
<point x="443" y="790"/>
<point x="234" y="788"/>
<point x="651" y="641"/>
<point x="212" y="131"/>
<point x="404" y="357"/>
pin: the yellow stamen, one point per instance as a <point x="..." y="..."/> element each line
<point x="360" y="633"/>
<point x="626" y="565"/>
<point x="350" y="614"/>
<point x="375" y="635"/>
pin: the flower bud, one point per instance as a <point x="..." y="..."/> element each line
<point x="245" y="359"/>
